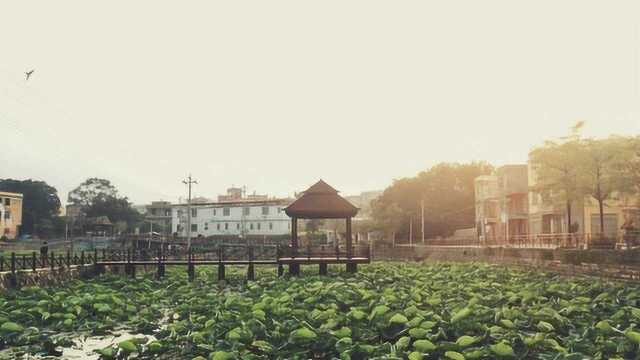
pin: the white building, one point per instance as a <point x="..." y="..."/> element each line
<point x="233" y="218"/>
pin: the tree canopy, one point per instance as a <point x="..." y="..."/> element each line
<point x="90" y="190"/>
<point x="40" y="204"/>
<point x="98" y="197"/>
<point x="447" y="190"/>
<point x="575" y="169"/>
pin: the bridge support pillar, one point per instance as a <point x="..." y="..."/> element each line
<point x="294" y="269"/>
<point x="191" y="271"/>
<point x="221" y="272"/>
<point x="280" y="270"/>
<point x="323" y="269"/>
<point x="251" y="273"/>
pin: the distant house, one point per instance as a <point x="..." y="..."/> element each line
<point x="241" y="217"/>
<point x="10" y="214"/>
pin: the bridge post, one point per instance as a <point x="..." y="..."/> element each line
<point x="220" y="264"/>
<point x="323" y="269"/>
<point x="190" y="267"/>
<point x="158" y="269"/>
<point x="250" y="270"/>
<point x="33" y="261"/>
<point x="280" y="269"/>
<point x="14" y="278"/>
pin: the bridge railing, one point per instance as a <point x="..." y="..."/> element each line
<point x="340" y="252"/>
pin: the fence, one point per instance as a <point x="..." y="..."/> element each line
<point x="20" y="262"/>
<point x="545" y="241"/>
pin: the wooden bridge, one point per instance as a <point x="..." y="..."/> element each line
<point x="221" y="256"/>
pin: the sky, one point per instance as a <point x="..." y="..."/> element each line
<point x="274" y="95"/>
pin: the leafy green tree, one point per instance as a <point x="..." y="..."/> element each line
<point x="556" y="166"/>
<point x="40" y="203"/>
<point x="98" y="197"/>
<point x="91" y="190"/>
<point x="313" y="225"/>
<point x="603" y="169"/>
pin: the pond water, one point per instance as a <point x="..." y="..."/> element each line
<point x="83" y="346"/>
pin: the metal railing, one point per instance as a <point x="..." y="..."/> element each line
<point x="550" y="241"/>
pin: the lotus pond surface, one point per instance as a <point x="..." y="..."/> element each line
<point x="385" y="311"/>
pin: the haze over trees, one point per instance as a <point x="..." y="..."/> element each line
<point x="447" y="190"/>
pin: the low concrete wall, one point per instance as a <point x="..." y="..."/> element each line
<point x="624" y="264"/>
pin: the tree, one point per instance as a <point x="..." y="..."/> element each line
<point x="448" y="194"/>
<point x="602" y="169"/>
<point x="313" y="225"/>
<point x="40" y="203"/>
<point x="117" y="209"/>
<point x="556" y="166"/>
<point x="98" y="197"/>
<point x="90" y="190"/>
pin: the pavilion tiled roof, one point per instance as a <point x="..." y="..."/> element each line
<point x="321" y="201"/>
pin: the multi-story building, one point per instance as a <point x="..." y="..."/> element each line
<point x="233" y="218"/>
<point x="10" y="214"/>
<point x="502" y="205"/>
<point x="159" y="215"/>
<point x="487" y="206"/>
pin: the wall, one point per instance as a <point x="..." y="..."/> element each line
<point x="612" y="263"/>
<point x="11" y="214"/>
<point x="209" y="216"/>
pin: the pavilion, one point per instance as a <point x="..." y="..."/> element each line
<point x="321" y="201"/>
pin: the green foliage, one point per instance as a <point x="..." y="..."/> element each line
<point x="386" y="311"/>
<point x="448" y="194"/>
<point x="98" y="197"/>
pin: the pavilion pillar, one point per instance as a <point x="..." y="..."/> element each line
<point x="294" y="269"/>
<point x="351" y="266"/>
<point x="349" y="239"/>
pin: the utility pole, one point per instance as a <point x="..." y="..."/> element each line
<point x="410" y="230"/>
<point x="422" y="212"/>
<point x="189" y="181"/>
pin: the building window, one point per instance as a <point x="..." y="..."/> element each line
<point x="237" y="226"/>
<point x="214" y="212"/>
<point x="167" y="213"/>
<point x="226" y="211"/>
<point x="258" y="226"/>
<point x="194" y="227"/>
<point x="279" y="210"/>
<point x="7" y="215"/>
<point x="265" y="210"/>
<point x="246" y="210"/>
<point x="206" y="226"/>
<point x="218" y="226"/>
<point x="226" y="226"/>
<point x="270" y="226"/>
<point x="7" y="201"/>
<point x="194" y="212"/>
<point x="251" y="226"/>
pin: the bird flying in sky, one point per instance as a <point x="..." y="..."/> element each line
<point x="28" y="73"/>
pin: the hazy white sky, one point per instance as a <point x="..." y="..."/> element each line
<point x="276" y="94"/>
